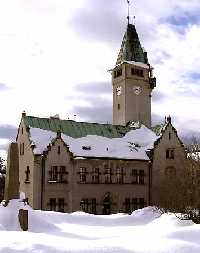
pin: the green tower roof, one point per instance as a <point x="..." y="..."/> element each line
<point x="131" y="49"/>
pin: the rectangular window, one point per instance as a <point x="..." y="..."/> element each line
<point x="95" y="176"/>
<point x="63" y="174"/>
<point x="134" y="176"/>
<point x="52" y="204"/>
<point x="54" y="173"/>
<point x="108" y="176"/>
<point x="93" y="206"/>
<point x="170" y="154"/>
<point x="137" y="72"/>
<point x="127" y="205"/>
<point x="141" y="176"/>
<point x="58" y="150"/>
<point x="82" y="174"/>
<point x="61" y="205"/>
<point x="117" y="73"/>
<point x="141" y="203"/>
<point x="84" y="205"/>
<point x="21" y="149"/>
<point x="120" y="176"/>
<point x="134" y="204"/>
<point x="118" y="106"/>
<point x="27" y="172"/>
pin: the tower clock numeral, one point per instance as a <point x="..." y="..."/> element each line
<point x="119" y="90"/>
<point x="137" y="90"/>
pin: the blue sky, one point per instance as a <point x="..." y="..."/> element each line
<point x="55" y="56"/>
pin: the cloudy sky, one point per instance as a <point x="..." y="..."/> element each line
<point x="54" y="57"/>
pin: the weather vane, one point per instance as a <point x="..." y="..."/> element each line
<point x="128" y="17"/>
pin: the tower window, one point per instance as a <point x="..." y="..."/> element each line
<point x="117" y="73"/>
<point x="118" y="106"/>
<point x="137" y="72"/>
<point x="58" y="150"/>
<point x="21" y="149"/>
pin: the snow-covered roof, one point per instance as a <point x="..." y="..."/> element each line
<point x="133" y="145"/>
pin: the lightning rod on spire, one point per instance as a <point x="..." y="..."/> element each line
<point x="128" y="17"/>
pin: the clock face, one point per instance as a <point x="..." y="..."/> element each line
<point x="137" y="90"/>
<point x="119" y="90"/>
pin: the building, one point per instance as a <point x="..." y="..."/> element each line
<point x="67" y="166"/>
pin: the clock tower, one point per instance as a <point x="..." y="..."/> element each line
<point x="132" y="81"/>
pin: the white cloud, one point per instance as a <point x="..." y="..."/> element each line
<point x="43" y="57"/>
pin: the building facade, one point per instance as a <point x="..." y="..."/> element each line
<point x="101" y="168"/>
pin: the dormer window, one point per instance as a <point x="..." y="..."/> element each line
<point x="137" y="72"/>
<point x="86" y="147"/>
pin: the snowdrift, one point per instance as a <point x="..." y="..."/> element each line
<point x="144" y="230"/>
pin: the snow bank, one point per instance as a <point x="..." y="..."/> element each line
<point x="144" y="231"/>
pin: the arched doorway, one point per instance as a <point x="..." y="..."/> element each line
<point x="107" y="204"/>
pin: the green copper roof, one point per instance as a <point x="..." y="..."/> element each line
<point x="131" y="49"/>
<point x="76" y="129"/>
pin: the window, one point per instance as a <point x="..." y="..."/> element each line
<point x="170" y="154"/>
<point x="118" y="106"/>
<point x="93" y="206"/>
<point x="54" y="173"/>
<point x="84" y="205"/>
<point x="108" y="176"/>
<point x="21" y="149"/>
<point x="61" y="205"/>
<point x="137" y="176"/>
<point x="137" y="72"/>
<point x="62" y="174"/>
<point x="127" y="205"/>
<point x="95" y="176"/>
<point x="141" y="177"/>
<point x="169" y="136"/>
<point x="58" y="150"/>
<point x="27" y="172"/>
<point x="134" y="176"/>
<point x="141" y="203"/>
<point x="58" y="174"/>
<point x="82" y="174"/>
<point x="52" y="204"/>
<point x="120" y="176"/>
<point x="134" y="204"/>
<point x="117" y="73"/>
<point x="22" y="130"/>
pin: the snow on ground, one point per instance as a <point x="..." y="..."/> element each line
<point x="145" y="231"/>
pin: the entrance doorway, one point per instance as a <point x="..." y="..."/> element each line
<point x="107" y="204"/>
